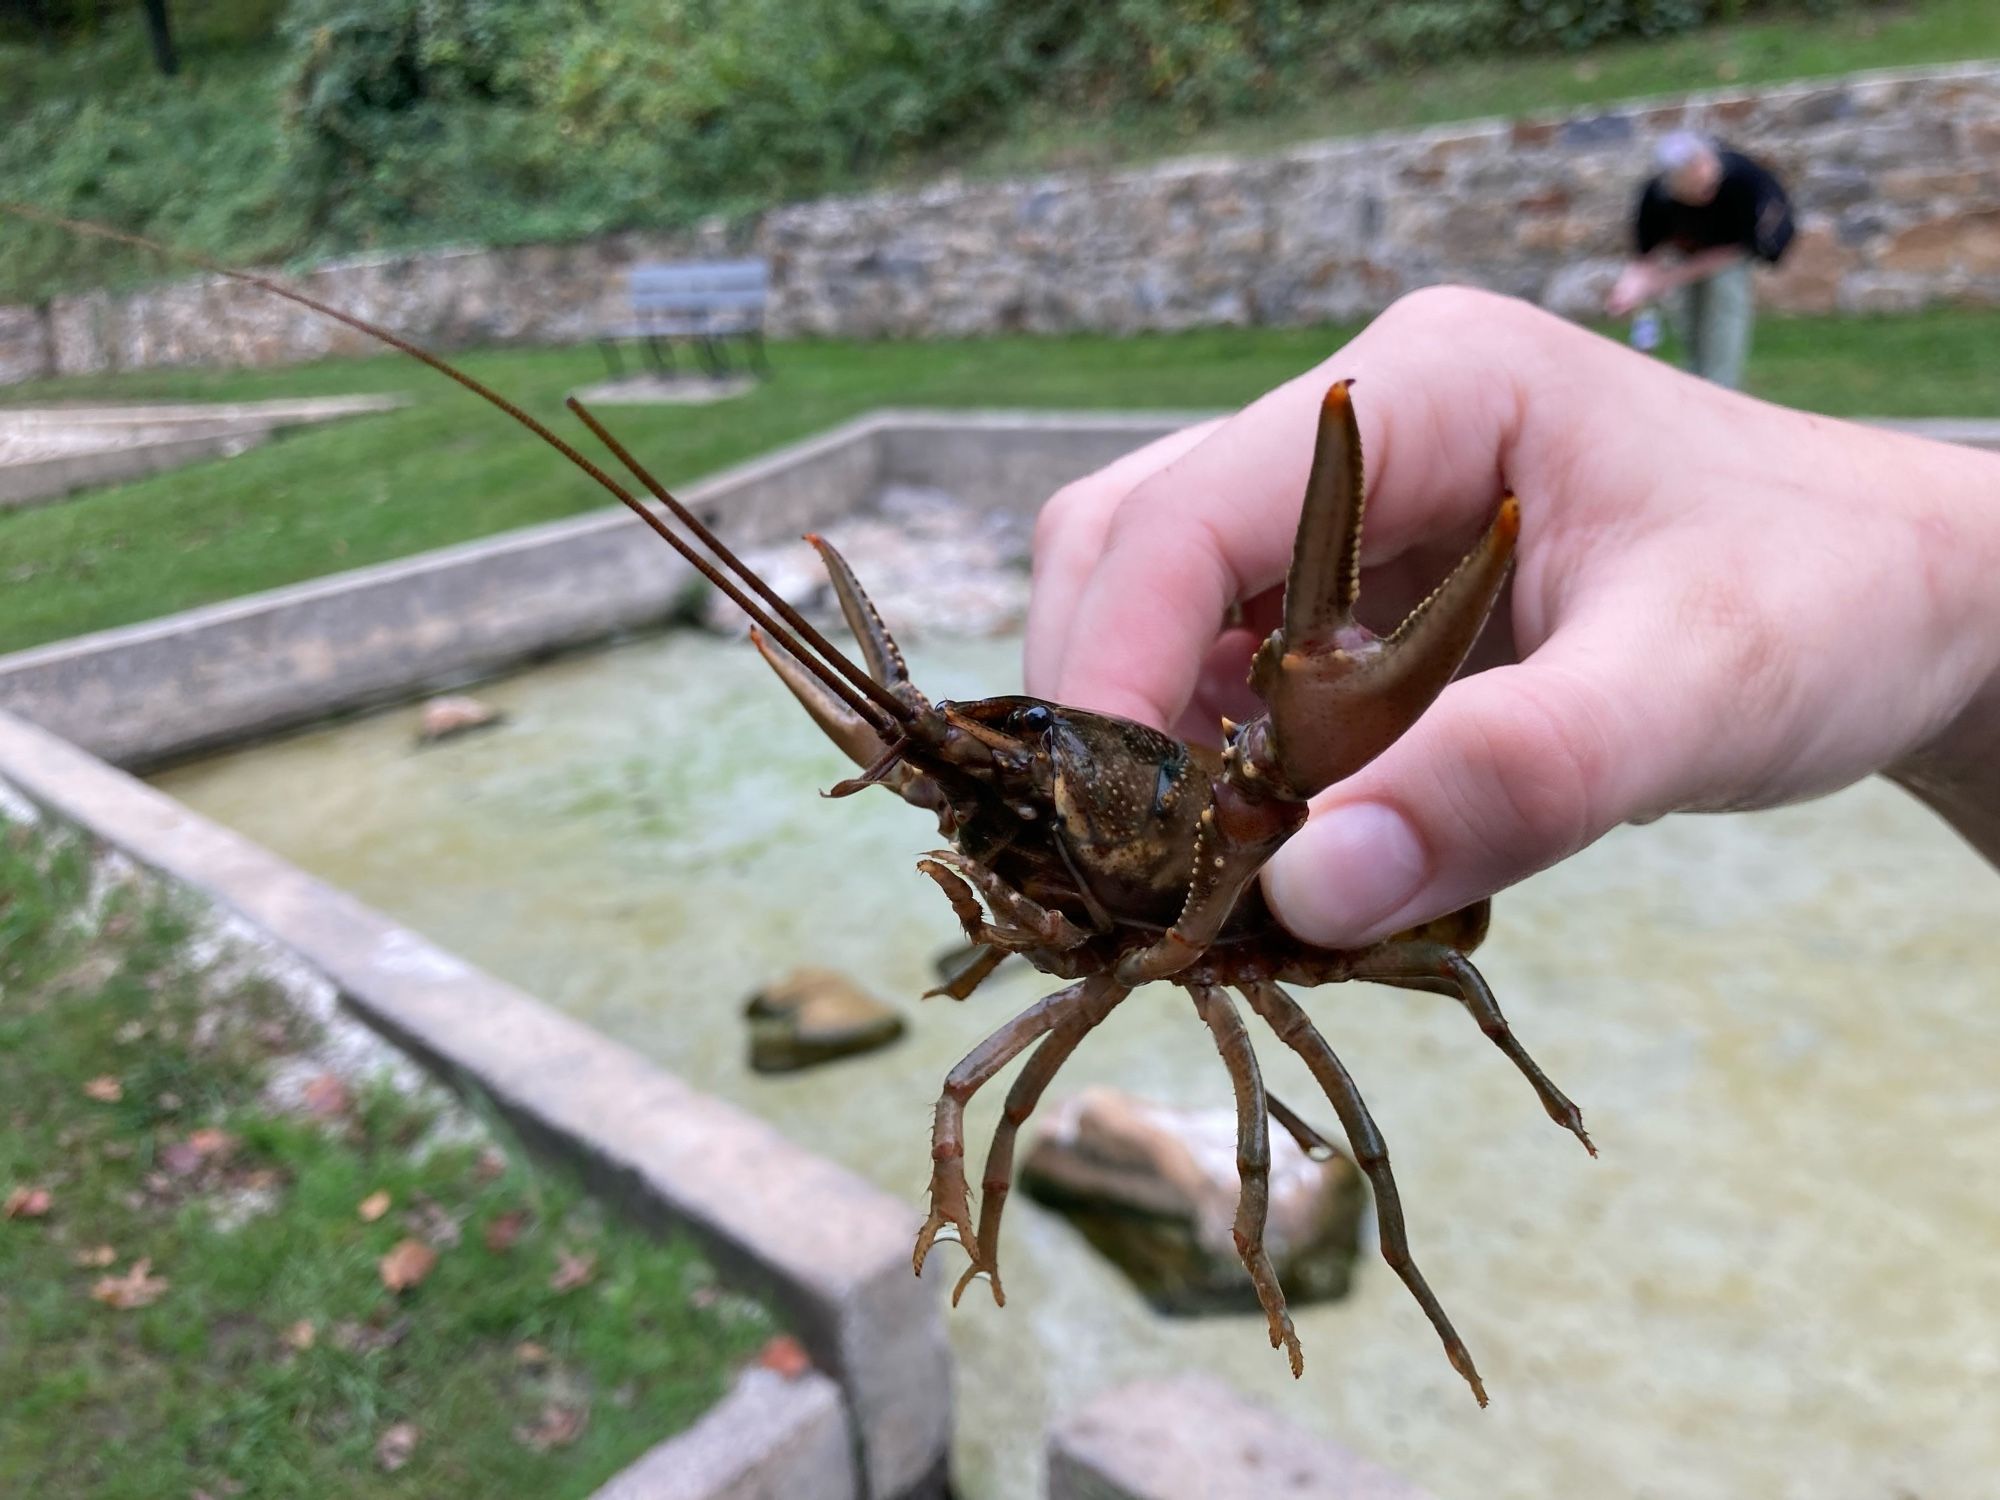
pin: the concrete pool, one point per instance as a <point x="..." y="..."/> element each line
<point x="1780" y="1279"/>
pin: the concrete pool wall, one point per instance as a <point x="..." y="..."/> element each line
<point x="149" y="693"/>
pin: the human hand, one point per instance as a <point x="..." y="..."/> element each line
<point x="1638" y="284"/>
<point x="1717" y="603"/>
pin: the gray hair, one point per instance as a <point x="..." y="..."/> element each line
<point x="1681" y="148"/>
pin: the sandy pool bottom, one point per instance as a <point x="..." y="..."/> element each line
<point x="1781" y="1280"/>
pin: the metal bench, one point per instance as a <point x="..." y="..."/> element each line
<point x="703" y="303"/>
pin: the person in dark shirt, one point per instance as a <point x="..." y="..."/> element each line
<point x="1701" y="222"/>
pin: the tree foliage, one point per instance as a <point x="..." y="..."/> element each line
<point x="404" y="122"/>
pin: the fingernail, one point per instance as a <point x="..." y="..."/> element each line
<point x="1345" y="873"/>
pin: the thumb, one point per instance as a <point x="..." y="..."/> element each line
<point x="1510" y="771"/>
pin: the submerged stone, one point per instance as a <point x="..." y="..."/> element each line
<point x="447" y="718"/>
<point x="813" y="1016"/>
<point x="1154" y="1190"/>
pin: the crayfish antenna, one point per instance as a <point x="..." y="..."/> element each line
<point x="887" y="701"/>
<point x="885" y="713"/>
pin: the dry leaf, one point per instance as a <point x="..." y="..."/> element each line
<point x="96" y="1258"/>
<point x="136" y="1288"/>
<point x="27" y="1203"/>
<point x="212" y="1142"/>
<point x="129" y="1033"/>
<point x="407" y="1265"/>
<point x="558" y="1427"/>
<point x="373" y="1206"/>
<point x="302" y="1335"/>
<point x="786" y="1355"/>
<point x="530" y="1354"/>
<point x="394" y="1447"/>
<point x="573" y="1271"/>
<point x="505" y="1231"/>
<point x="105" y="1089"/>
<point x="180" y="1158"/>
<point x="326" y="1097"/>
<point x="490" y="1165"/>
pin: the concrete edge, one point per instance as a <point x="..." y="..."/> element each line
<point x="769" y="1437"/>
<point x="700" y="497"/>
<point x="667" y="1152"/>
<point x="1191" y="1437"/>
<point x="151" y="693"/>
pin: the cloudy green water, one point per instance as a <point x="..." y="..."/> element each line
<point x="1781" y="1280"/>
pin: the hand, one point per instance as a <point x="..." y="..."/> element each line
<point x="1717" y="604"/>
<point x="1638" y="284"/>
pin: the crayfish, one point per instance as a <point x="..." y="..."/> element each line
<point x="1109" y="854"/>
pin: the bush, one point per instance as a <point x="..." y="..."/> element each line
<point x="394" y="123"/>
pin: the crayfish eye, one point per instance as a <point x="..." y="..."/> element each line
<point x="1032" y="719"/>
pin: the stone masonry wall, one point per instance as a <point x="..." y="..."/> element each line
<point x="1895" y="177"/>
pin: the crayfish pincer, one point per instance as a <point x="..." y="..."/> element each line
<point x="1109" y="854"/>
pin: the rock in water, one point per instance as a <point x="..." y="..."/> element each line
<point x="813" y="1016"/>
<point x="447" y="718"/>
<point x="1154" y="1191"/>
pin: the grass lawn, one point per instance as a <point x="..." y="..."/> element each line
<point x="1735" y="56"/>
<point x="193" y="1290"/>
<point x="449" y="468"/>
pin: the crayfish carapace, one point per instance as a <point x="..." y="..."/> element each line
<point x="1109" y="854"/>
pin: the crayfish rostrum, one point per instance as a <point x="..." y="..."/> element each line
<point x="1109" y="854"/>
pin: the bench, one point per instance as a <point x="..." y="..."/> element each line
<point x="703" y="303"/>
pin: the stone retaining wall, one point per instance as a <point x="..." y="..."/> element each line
<point x="1896" y="177"/>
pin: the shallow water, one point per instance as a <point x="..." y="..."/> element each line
<point x="1781" y="1280"/>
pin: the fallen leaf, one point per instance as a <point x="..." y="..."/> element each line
<point x="530" y="1354"/>
<point x="407" y="1265"/>
<point x="180" y="1158"/>
<point x="105" y="1089"/>
<point x="394" y="1447"/>
<point x="302" y="1335"/>
<point x="136" y="1288"/>
<point x="96" y="1258"/>
<point x="27" y="1203"/>
<point x="212" y="1142"/>
<point x="490" y="1165"/>
<point x="326" y="1097"/>
<point x="129" y="1033"/>
<point x="786" y="1355"/>
<point x="503" y="1233"/>
<point x="558" y="1427"/>
<point x="373" y="1206"/>
<point x="168" y="1102"/>
<point x="573" y="1271"/>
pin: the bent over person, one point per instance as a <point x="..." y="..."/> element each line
<point x="1701" y="221"/>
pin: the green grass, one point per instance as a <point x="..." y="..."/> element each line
<point x="1736" y="56"/>
<point x="448" y="468"/>
<point x="208" y="1389"/>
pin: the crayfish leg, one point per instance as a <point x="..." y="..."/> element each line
<point x="1253" y="1162"/>
<point x="1294" y="1028"/>
<point x="1026" y="1092"/>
